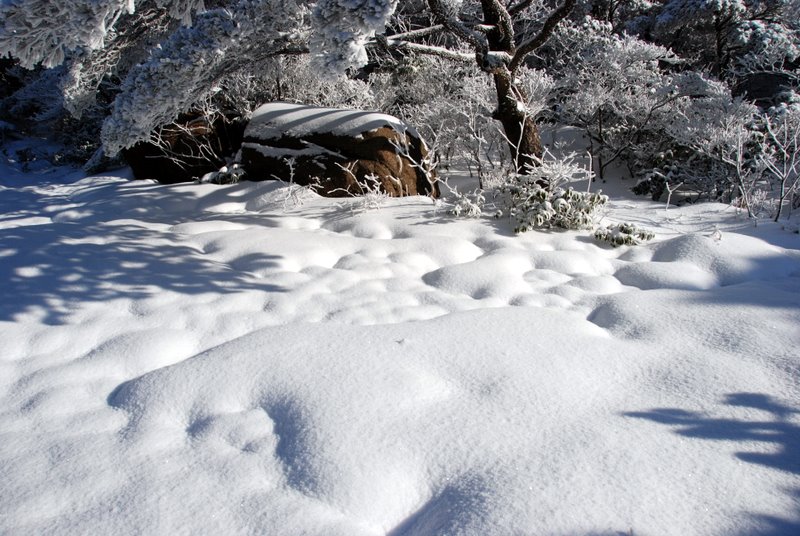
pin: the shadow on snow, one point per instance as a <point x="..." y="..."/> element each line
<point x="107" y="252"/>
<point x="778" y="430"/>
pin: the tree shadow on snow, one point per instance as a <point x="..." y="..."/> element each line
<point x="101" y="242"/>
<point x="778" y="430"/>
<point x="779" y="526"/>
<point x="50" y="268"/>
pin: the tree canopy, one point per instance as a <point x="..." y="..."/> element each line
<point x="626" y="72"/>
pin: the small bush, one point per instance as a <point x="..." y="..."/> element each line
<point x="534" y="207"/>
<point x="623" y="234"/>
<point x="469" y="205"/>
<point x="540" y="199"/>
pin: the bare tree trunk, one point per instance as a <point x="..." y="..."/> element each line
<point x="520" y="129"/>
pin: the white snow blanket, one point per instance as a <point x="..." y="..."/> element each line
<point x="251" y="359"/>
<point x="276" y="119"/>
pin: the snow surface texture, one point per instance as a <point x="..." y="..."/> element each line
<point x="277" y="119"/>
<point x="249" y="359"/>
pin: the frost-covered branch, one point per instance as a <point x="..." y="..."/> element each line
<point x="445" y="13"/>
<point x="429" y="50"/>
<point x="126" y="45"/>
<point x="415" y="34"/>
<point x="45" y="32"/>
<point x="342" y="30"/>
<point x="186" y="68"/>
<point x="525" y="48"/>
<point x="783" y="160"/>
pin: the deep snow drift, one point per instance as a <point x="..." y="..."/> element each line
<point x="251" y="359"/>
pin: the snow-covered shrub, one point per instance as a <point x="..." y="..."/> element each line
<point x="372" y="195"/>
<point x="781" y="157"/>
<point x="623" y="234"/>
<point x="534" y="207"/>
<point x="450" y="104"/>
<point x="726" y="149"/>
<point x="468" y="205"/>
<point x="544" y="199"/>
<point x="613" y="87"/>
<point x="296" y="79"/>
<point x="724" y="140"/>
<point x="668" y="127"/>
<point x="643" y="106"/>
<point x="732" y="37"/>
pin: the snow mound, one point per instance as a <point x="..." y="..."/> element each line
<point x="730" y="258"/>
<point x="698" y="262"/>
<point x="678" y="275"/>
<point x="499" y="275"/>
<point x="383" y="454"/>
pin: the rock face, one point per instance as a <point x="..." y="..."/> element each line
<point x="190" y="147"/>
<point x="341" y="152"/>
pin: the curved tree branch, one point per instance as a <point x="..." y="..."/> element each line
<point x="428" y="50"/>
<point x="524" y="49"/>
<point x="495" y="13"/>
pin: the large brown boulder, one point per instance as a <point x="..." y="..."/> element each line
<point x="340" y="152"/>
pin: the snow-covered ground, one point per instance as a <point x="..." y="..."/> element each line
<point x="201" y="359"/>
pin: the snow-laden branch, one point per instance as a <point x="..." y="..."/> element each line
<point x="186" y="68"/>
<point x="46" y="31"/>
<point x="415" y="34"/>
<point x="445" y="13"/>
<point x="343" y="28"/>
<point x="527" y="47"/>
<point x="783" y="159"/>
<point x="428" y="50"/>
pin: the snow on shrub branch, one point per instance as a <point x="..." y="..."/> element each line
<point x="43" y="31"/>
<point x="541" y="199"/>
<point x="623" y="234"/>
